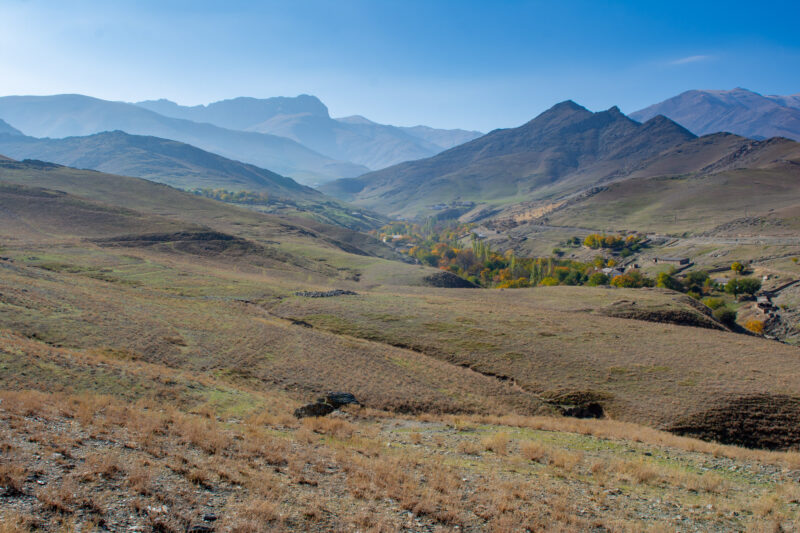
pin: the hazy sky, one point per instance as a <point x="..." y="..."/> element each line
<point x="466" y="64"/>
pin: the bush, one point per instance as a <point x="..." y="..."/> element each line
<point x="696" y="278"/>
<point x="549" y="282"/>
<point x="598" y="278"/>
<point x="666" y="281"/>
<point x="726" y="316"/>
<point x="743" y="286"/>
<point x="756" y="326"/>
<point x="714" y="303"/>
<point x="633" y="279"/>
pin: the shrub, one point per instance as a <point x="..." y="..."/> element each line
<point x="725" y="315"/>
<point x="666" y="281"/>
<point x="633" y="279"/>
<point x="549" y="282"/>
<point x="743" y="286"/>
<point x="598" y="278"/>
<point x="756" y="326"/>
<point x="497" y="443"/>
<point x="714" y="303"/>
<point x="696" y="278"/>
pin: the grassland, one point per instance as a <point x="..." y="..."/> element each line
<point x="153" y="348"/>
<point x="149" y="447"/>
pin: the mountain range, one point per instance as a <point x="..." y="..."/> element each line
<point x="78" y="115"/>
<point x="306" y="120"/>
<point x="161" y="160"/>
<point x="739" y="111"/>
<point x="564" y="149"/>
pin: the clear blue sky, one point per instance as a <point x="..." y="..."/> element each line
<point x="465" y="64"/>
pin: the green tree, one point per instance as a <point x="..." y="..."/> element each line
<point x="633" y="279"/>
<point x="665" y="280"/>
<point x="737" y="267"/>
<point x="598" y="278"/>
<point x="726" y="316"/>
<point x="743" y="286"/>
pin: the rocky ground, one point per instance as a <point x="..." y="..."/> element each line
<point x="93" y="464"/>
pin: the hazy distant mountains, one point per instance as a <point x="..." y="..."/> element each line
<point x="77" y="115"/>
<point x="737" y="111"/>
<point x="306" y="120"/>
<point x="564" y="149"/>
<point x="8" y="129"/>
<point x="161" y="160"/>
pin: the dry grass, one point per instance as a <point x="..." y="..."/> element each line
<point x="497" y="443"/>
<point x="556" y="340"/>
<point x="337" y="474"/>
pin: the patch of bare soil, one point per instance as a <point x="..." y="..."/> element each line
<point x="759" y="421"/>
<point x="677" y="316"/>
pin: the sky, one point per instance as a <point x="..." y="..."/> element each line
<point x="454" y="64"/>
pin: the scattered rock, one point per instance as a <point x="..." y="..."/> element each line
<point x="314" y="409"/>
<point x="589" y="410"/>
<point x="325" y="294"/>
<point x="326" y="405"/>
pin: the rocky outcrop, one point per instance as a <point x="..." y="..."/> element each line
<point x="326" y="405"/>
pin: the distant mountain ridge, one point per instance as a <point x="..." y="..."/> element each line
<point x="161" y="160"/>
<point x="306" y="120"/>
<point x="738" y="111"/>
<point x="566" y="148"/>
<point x="8" y="129"/>
<point x="77" y="115"/>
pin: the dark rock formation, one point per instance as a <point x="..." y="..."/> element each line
<point x="326" y="405"/>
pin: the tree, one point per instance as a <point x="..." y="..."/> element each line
<point x="598" y="278"/>
<point x="698" y="277"/>
<point x="737" y="267"/>
<point x="726" y="316"/>
<point x="549" y="282"/>
<point x="633" y="279"/>
<point x="665" y="280"/>
<point x="714" y="303"/>
<point x="743" y="286"/>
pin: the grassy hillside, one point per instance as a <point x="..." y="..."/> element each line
<point x="154" y="344"/>
<point x="687" y="203"/>
<point x="173" y="163"/>
<point x="148" y="447"/>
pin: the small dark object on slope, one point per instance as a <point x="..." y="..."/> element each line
<point x="326" y="405"/>
<point x="589" y="410"/>
<point x="448" y="280"/>
<point x="325" y="294"/>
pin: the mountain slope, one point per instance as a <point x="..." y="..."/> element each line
<point x="563" y="149"/>
<point x="77" y="115"/>
<point x="162" y="160"/>
<point x="8" y="129"/>
<point x="306" y="120"/>
<point x="737" y="111"/>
